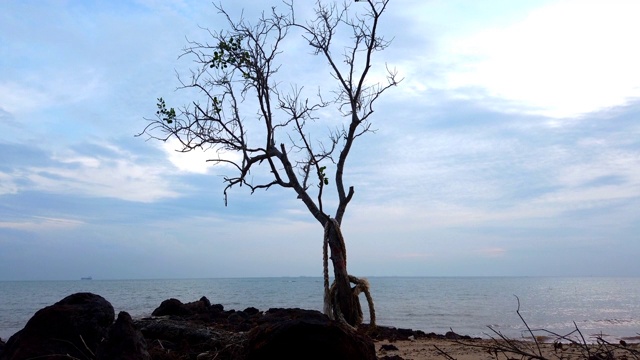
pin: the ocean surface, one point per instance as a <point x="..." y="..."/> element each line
<point x="467" y="305"/>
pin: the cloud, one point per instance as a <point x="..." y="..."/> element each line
<point x="41" y="224"/>
<point x="561" y="60"/>
<point x="473" y="156"/>
<point x="492" y="252"/>
<point x="197" y="161"/>
<point x="120" y="175"/>
<point x="412" y="256"/>
<point x="7" y="185"/>
<point x="511" y="171"/>
<point x="558" y="61"/>
<point x="44" y="90"/>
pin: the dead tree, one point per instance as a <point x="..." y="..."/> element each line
<point x="246" y="109"/>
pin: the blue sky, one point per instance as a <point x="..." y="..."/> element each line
<point x="512" y="147"/>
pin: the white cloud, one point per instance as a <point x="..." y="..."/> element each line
<point x="123" y="177"/>
<point x="196" y="161"/>
<point x="563" y="60"/>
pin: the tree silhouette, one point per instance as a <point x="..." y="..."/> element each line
<point x="237" y="79"/>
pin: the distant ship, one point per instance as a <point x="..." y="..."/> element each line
<point x="86" y="278"/>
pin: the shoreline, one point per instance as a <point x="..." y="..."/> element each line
<point x="210" y="330"/>
<point x="541" y="336"/>
<point x="432" y="304"/>
<point x="474" y="349"/>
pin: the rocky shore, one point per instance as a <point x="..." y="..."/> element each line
<point x="84" y="326"/>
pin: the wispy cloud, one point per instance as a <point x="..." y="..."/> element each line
<point x="44" y="90"/>
<point x="41" y="224"/>
<point x="412" y="255"/>
<point x="123" y="176"/>
<point x="492" y="252"/>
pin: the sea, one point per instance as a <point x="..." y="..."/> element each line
<point x="477" y="306"/>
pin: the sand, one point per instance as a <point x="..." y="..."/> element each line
<point x="481" y="349"/>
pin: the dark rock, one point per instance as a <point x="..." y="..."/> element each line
<point x="2" y="344"/>
<point x="395" y="334"/>
<point x="238" y="317"/>
<point x="205" y="301"/>
<point x="171" y="307"/>
<point x="174" y="307"/>
<point x="305" y="334"/>
<point x="176" y="338"/>
<point x="202" y="306"/>
<point x="394" y="357"/>
<point x="124" y="341"/>
<point x="388" y="347"/>
<point x="74" y="327"/>
<point x="251" y="311"/>
<point x="173" y="330"/>
<point x="453" y="336"/>
<point x="203" y="312"/>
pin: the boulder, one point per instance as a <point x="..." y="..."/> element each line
<point x="174" y="330"/>
<point x="453" y="336"/>
<point x="174" y="307"/>
<point x="171" y="307"/>
<point x="72" y="327"/>
<point x="305" y="334"/>
<point x="184" y="339"/>
<point x="203" y="312"/>
<point x="124" y="341"/>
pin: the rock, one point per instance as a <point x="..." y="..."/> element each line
<point x="395" y="334"/>
<point x="168" y="337"/>
<point x="74" y="326"/>
<point x="205" y="301"/>
<point x="305" y="334"/>
<point x="251" y="311"/>
<point x="173" y="330"/>
<point x="124" y="341"/>
<point x="175" y="307"/>
<point x="453" y="336"/>
<point x="202" y="311"/>
<point x="171" y="307"/>
<point x="388" y="347"/>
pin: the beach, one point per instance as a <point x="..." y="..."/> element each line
<point x="177" y="330"/>
<point x="480" y="349"/>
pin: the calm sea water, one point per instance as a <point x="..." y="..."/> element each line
<point x="468" y="305"/>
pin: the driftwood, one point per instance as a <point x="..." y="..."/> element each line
<point x="530" y="348"/>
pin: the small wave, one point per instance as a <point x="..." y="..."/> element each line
<point x="613" y="321"/>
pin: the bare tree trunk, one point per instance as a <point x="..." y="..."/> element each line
<point x="240" y="64"/>
<point x="346" y="299"/>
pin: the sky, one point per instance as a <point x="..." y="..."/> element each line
<point x="511" y="147"/>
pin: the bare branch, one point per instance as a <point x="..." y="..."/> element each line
<point x="266" y="135"/>
<point x="236" y="72"/>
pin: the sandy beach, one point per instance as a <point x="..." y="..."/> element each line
<point x="423" y="348"/>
